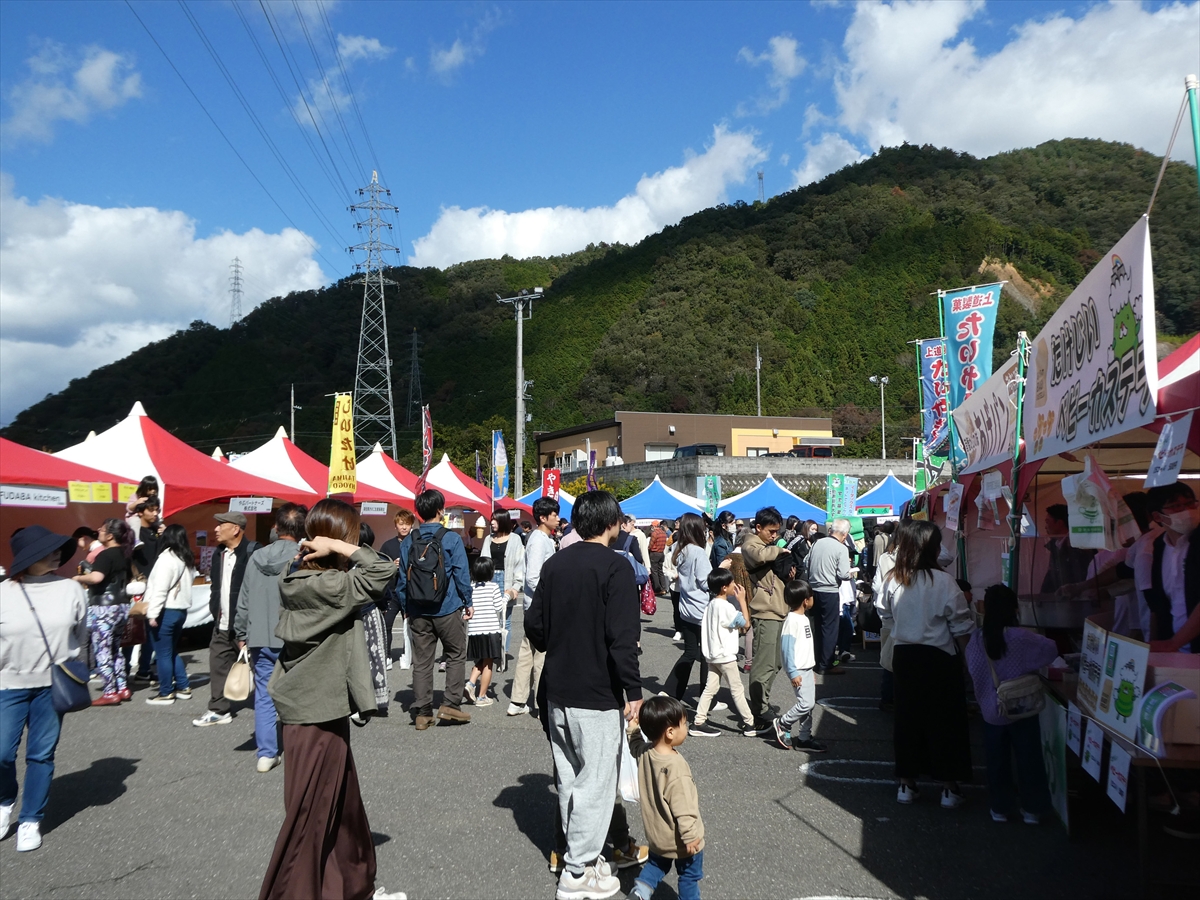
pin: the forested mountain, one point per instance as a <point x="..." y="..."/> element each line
<point x="832" y="280"/>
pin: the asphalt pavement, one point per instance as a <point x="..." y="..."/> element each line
<point x="143" y="804"/>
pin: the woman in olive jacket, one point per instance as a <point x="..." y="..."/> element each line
<point x="324" y="848"/>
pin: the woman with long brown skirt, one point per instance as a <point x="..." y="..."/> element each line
<point x="324" y="849"/>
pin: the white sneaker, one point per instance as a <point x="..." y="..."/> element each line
<point x="160" y="700"/>
<point x="382" y="894"/>
<point x="388" y="666"/>
<point x="1030" y="818"/>
<point x="29" y="836"/>
<point x="596" y="883"/>
<point x="952" y="799"/>
<point x="906" y="794"/>
<point x="517" y="709"/>
<point x="677" y="637"/>
<point x="267" y="763"/>
<point x="212" y="718"/>
<point x="469" y="691"/>
<point x="6" y="814"/>
<point x="998" y="817"/>
<point x="484" y="701"/>
<point x="718" y="706"/>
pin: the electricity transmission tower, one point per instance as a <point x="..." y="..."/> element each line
<point x="412" y="412"/>
<point x="235" y="292"/>
<point x="374" y="411"/>
<point x="762" y="197"/>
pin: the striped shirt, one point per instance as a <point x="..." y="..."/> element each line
<point x="489" y="605"/>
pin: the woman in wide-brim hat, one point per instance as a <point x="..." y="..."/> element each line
<point x="43" y="621"/>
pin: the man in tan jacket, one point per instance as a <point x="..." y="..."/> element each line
<point x="767" y="610"/>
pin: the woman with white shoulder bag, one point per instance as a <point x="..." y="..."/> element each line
<point x="1003" y="660"/>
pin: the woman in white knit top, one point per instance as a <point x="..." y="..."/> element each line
<point x="43" y="621"/>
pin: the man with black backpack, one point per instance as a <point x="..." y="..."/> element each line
<point x="433" y="584"/>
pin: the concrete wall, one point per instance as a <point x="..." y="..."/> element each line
<point x="740" y="473"/>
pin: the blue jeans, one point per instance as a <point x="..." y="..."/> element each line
<point x="32" y="707"/>
<point x="172" y="673"/>
<point x="266" y="720"/>
<point x="845" y="628"/>
<point x="690" y="869"/>
<point x="1022" y="739"/>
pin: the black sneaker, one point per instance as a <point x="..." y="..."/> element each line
<point x="763" y="726"/>
<point x="812" y="745"/>
<point x="704" y="730"/>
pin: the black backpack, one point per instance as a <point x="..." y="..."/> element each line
<point x="426" y="569"/>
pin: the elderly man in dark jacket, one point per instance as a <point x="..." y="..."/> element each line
<point x="228" y="570"/>
<point x="256" y="621"/>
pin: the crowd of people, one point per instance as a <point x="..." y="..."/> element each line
<point x="315" y="609"/>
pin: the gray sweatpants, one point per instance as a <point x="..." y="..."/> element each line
<point x="799" y="718"/>
<point x="587" y="747"/>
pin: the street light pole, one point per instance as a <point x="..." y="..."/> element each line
<point x="882" y="382"/>
<point x="522" y="301"/>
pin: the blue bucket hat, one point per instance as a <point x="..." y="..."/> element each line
<point x="36" y="543"/>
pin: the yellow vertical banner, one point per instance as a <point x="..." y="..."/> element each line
<point x="342" y="475"/>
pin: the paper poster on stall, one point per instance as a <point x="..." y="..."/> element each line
<point x="1074" y="728"/>
<point x="1168" y="454"/>
<point x="986" y="422"/>
<point x="1093" y="748"/>
<point x="1093" y="370"/>
<point x="1091" y="666"/>
<point x="954" y="495"/>
<point x="1118" y="775"/>
<point x="1053" y="722"/>
<point x="1122" y="682"/>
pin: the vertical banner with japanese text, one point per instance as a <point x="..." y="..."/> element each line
<point x="343" y="478"/>
<point x="969" y="315"/>
<point x="931" y="355"/>
<point x="551" y="481"/>
<point x="1093" y="369"/>
<point x="499" y="466"/>
<point x="426" y="447"/>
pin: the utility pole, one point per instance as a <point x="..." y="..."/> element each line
<point x="374" y="410"/>
<point x="235" y="292"/>
<point x="412" y="412"/>
<point x="521" y="302"/>
<point x="882" y="382"/>
<point x="758" y="378"/>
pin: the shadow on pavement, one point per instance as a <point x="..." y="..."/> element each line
<point x="532" y="803"/>
<point x="379" y="839"/>
<point x="98" y="785"/>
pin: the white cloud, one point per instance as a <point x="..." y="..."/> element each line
<point x="445" y="61"/>
<point x="658" y="200"/>
<point x="81" y="286"/>
<point x="1115" y="72"/>
<point x="353" y="47"/>
<point x="830" y="153"/>
<point x="785" y="63"/>
<point x="64" y="85"/>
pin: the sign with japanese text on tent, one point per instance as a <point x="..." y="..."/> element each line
<point x="1093" y="368"/>
<point x="343" y="477"/>
<point x="986" y="422"/>
<point x="551" y="483"/>
<point x="935" y="386"/>
<point x="1168" y="454"/>
<point x="499" y="466"/>
<point x="708" y="489"/>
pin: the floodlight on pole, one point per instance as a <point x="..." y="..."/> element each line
<point x="882" y="382"/>
<point x="522" y="302"/>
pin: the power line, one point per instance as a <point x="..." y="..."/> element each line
<point x="289" y="105"/>
<point x="271" y="145"/>
<point x="221" y="131"/>
<point x="325" y="81"/>
<point x="292" y="70"/>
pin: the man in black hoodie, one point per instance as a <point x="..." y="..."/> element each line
<point x="585" y="617"/>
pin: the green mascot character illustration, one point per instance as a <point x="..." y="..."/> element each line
<point x="1120" y="306"/>
<point x="1127" y="692"/>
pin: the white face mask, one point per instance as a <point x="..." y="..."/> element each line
<point x="1183" y="522"/>
<point x="732" y="529"/>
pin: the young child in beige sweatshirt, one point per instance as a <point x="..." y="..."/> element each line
<point x="670" y="806"/>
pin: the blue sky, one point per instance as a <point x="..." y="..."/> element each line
<point x="499" y="127"/>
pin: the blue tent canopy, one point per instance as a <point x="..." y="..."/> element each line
<point x="890" y="492"/>
<point x="565" y="501"/>
<point x="772" y="493"/>
<point x="658" y="501"/>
